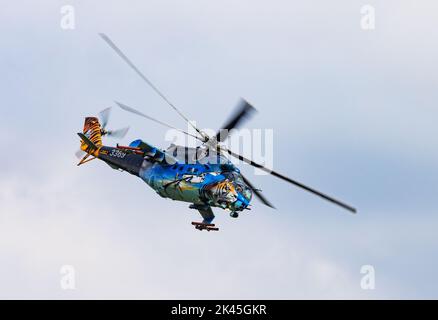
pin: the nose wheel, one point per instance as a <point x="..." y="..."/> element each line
<point x="234" y="214"/>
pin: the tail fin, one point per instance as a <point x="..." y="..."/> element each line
<point x="91" y="139"/>
<point x="93" y="132"/>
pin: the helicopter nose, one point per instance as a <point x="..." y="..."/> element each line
<point x="241" y="202"/>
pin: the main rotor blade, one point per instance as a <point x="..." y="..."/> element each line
<point x="298" y="184"/>
<point x="141" y="114"/>
<point x="244" y="110"/>
<point x="104" y="116"/>
<point x="257" y="192"/>
<point x="133" y="67"/>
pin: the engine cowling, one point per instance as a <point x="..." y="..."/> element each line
<point x="149" y="151"/>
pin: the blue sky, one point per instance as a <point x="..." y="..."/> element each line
<point x="353" y="114"/>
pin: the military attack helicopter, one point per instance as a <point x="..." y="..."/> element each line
<point x="202" y="176"/>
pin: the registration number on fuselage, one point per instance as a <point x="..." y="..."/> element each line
<point x="117" y="153"/>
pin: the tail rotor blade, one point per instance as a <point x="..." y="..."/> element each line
<point x="104" y="117"/>
<point x="79" y="154"/>
<point x="119" y="133"/>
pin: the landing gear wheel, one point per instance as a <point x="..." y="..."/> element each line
<point x="234" y="215"/>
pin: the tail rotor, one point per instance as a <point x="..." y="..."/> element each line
<point x="104" y="116"/>
<point x="101" y="130"/>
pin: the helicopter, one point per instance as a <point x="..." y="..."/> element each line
<point x="203" y="176"/>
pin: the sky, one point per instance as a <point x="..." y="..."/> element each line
<point x="353" y="114"/>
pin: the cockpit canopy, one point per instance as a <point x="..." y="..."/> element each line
<point x="239" y="184"/>
<point x="197" y="155"/>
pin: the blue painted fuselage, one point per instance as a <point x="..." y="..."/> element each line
<point x="209" y="181"/>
